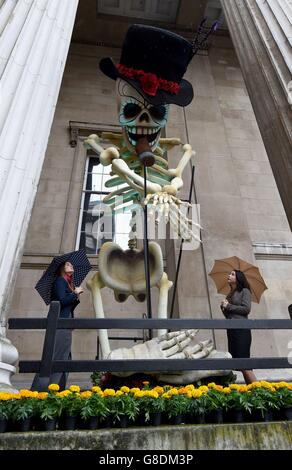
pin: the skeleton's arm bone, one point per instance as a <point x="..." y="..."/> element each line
<point x="92" y="142"/>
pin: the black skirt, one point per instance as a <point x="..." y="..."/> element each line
<point x="239" y="342"/>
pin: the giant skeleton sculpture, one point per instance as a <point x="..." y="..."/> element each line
<point x="143" y="102"/>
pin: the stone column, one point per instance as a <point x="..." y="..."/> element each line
<point x="262" y="35"/>
<point x="34" y="41"/>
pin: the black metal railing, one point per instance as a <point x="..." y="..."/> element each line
<point x="46" y="366"/>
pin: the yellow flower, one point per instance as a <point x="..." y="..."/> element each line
<point x="226" y="390"/>
<point x="243" y="389"/>
<point x="74" y="388"/>
<point x="197" y="394"/>
<point x="42" y="395"/>
<point x="219" y="388"/>
<point x="125" y="389"/>
<point x="153" y="394"/>
<point x="134" y="390"/>
<point x="173" y="391"/>
<point x="64" y="393"/>
<point x="25" y="393"/>
<point x="54" y="387"/>
<point x="203" y="389"/>
<point x="109" y="392"/>
<point x="182" y="391"/>
<point x="86" y="394"/>
<point x="96" y="389"/>
<point x="234" y="386"/>
<point x="6" y="396"/>
<point x="119" y="393"/>
<point x="158" y="389"/>
<point x="189" y="394"/>
<point x="139" y="394"/>
<point x="212" y="385"/>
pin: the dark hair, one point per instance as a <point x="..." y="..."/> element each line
<point x="60" y="270"/>
<point x="241" y="281"/>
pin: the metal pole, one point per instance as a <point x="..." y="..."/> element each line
<point x="146" y="255"/>
<point x="181" y="248"/>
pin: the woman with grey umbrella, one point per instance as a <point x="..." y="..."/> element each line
<point x="57" y="284"/>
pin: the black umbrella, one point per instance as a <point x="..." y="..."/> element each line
<point x="81" y="266"/>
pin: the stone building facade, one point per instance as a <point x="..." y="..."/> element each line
<point x="241" y="210"/>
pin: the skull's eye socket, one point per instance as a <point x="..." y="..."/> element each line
<point x="131" y="110"/>
<point x="158" y="112"/>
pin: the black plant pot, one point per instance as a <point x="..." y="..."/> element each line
<point x="238" y="416"/>
<point x="215" y="416"/>
<point x="107" y="422"/>
<point x="3" y="425"/>
<point x="140" y="421"/>
<point x="201" y="418"/>
<point x="268" y="415"/>
<point x="178" y="419"/>
<point x="91" y="423"/>
<point x="287" y="413"/>
<point x="68" y="423"/>
<point x="123" y="422"/>
<point x="155" y="419"/>
<point x="50" y="424"/>
<point x="190" y="418"/>
<point x="256" y="416"/>
<point x="23" y="425"/>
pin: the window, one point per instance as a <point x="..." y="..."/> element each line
<point x="98" y="223"/>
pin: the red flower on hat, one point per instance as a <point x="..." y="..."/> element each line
<point x="149" y="83"/>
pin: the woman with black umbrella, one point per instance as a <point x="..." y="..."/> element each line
<point x="57" y="284"/>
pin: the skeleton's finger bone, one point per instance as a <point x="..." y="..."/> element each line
<point x="178" y="347"/>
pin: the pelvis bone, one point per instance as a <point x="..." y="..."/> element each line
<point x="124" y="270"/>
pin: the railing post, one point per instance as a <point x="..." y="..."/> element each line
<point x="290" y="310"/>
<point x="42" y="379"/>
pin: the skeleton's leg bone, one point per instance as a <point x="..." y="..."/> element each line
<point x="164" y="285"/>
<point x="95" y="285"/>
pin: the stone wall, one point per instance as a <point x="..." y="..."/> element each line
<point x="249" y="436"/>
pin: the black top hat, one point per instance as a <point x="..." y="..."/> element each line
<point x="153" y="61"/>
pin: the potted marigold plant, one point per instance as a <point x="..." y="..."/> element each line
<point x="284" y="394"/>
<point x="23" y="408"/>
<point x="48" y="410"/>
<point x="264" y="400"/>
<point x="124" y="408"/>
<point x="151" y="406"/>
<point x="93" y="409"/>
<point x="197" y="407"/>
<point x="176" y="407"/>
<point x="216" y="404"/>
<point x="5" y="410"/>
<point x="70" y="407"/>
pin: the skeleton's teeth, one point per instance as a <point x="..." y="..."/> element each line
<point x="143" y="130"/>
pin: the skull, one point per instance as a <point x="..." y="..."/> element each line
<point x="138" y="117"/>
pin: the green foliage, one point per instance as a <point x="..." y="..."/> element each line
<point x="93" y="406"/>
<point x="176" y="405"/>
<point x="71" y="405"/>
<point x="23" y="408"/>
<point x="125" y="405"/>
<point x="49" y="408"/>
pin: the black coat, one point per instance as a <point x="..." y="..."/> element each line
<point x="68" y="299"/>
